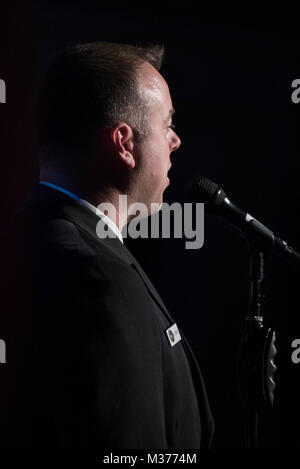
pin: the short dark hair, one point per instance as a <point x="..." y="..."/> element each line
<point x="90" y="86"/>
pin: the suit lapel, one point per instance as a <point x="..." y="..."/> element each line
<point x="150" y="287"/>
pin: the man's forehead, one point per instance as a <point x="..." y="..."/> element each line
<point x="150" y="79"/>
<point x="154" y="87"/>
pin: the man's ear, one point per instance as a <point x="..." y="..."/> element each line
<point x="121" y="137"/>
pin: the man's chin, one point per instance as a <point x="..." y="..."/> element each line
<point x="155" y="207"/>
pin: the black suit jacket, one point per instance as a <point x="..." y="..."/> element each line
<point x="92" y="365"/>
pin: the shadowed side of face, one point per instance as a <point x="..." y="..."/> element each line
<point x="153" y="152"/>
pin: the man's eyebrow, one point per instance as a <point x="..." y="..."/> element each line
<point x="171" y="113"/>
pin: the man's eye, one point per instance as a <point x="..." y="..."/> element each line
<point x="172" y="126"/>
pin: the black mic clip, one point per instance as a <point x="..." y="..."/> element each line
<point x="256" y="365"/>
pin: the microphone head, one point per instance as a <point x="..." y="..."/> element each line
<point x="202" y="189"/>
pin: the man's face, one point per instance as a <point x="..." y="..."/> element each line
<point x="154" y="150"/>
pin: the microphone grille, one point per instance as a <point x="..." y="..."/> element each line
<point x="202" y="189"/>
<point x="206" y="187"/>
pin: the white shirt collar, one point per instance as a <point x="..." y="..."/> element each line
<point x="98" y="212"/>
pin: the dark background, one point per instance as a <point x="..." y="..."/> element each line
<point x="230" y="73"/>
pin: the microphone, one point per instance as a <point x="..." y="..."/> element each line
<point x="202" y="189"/>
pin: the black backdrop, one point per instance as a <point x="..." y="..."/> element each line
<point x="230" y="73"/>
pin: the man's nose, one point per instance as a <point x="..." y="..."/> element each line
<point x="176" y="142"/>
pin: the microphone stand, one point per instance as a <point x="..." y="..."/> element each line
<point x="256" y="364"/>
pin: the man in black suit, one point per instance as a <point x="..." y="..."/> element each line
<point x="103" y="363"/>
